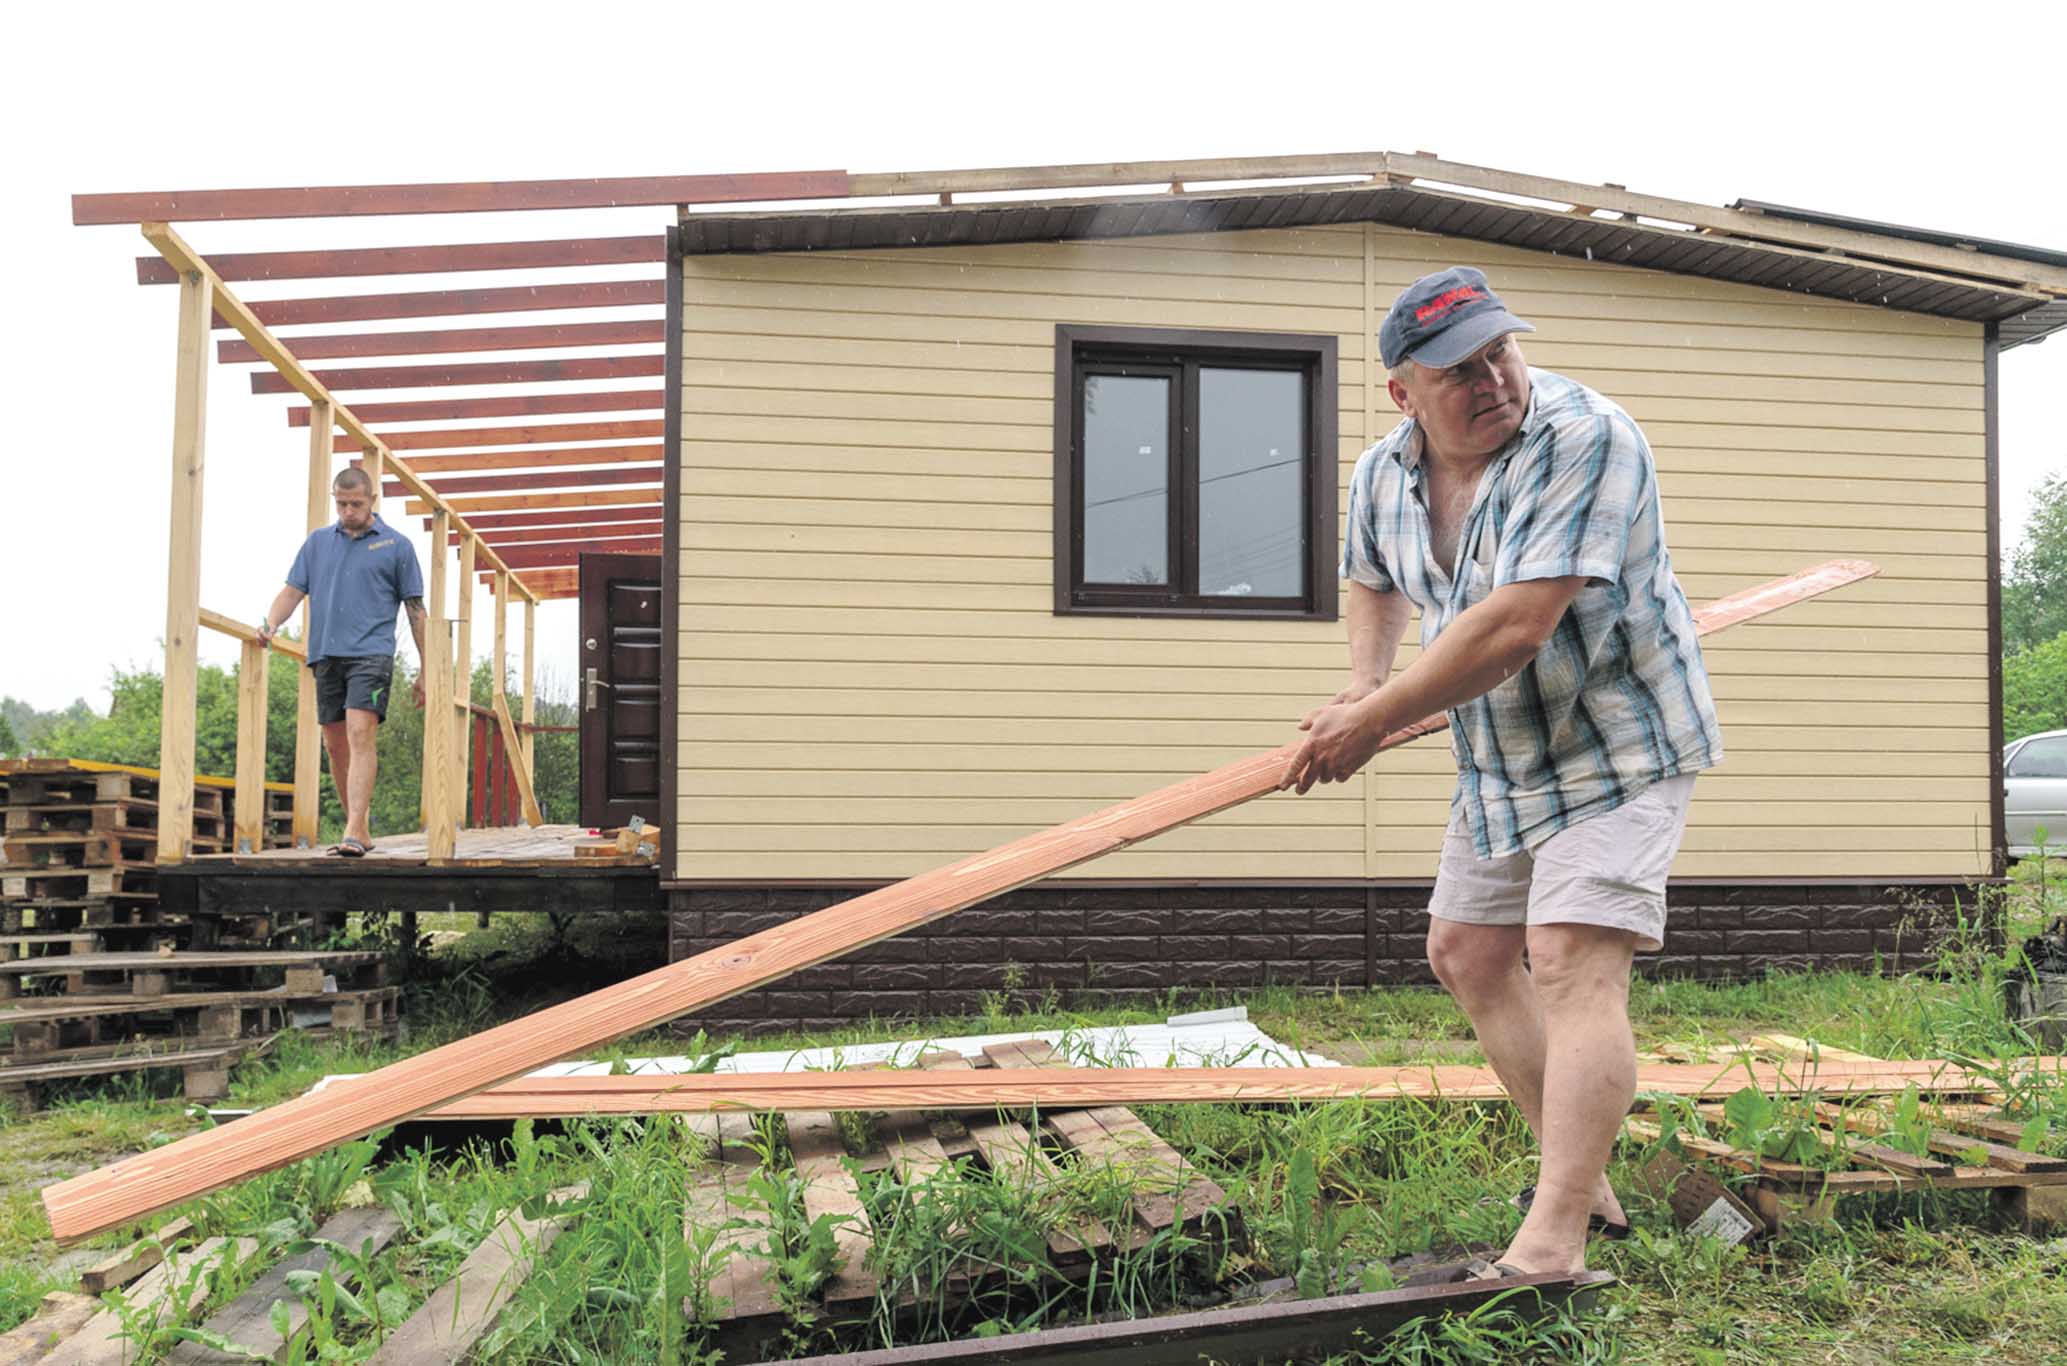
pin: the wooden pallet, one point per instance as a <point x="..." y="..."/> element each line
<point x="158" y="1279"/>
<point x="161" y="974"/>
<point x="61" y="782"/>
<point x="68" y="849"/>
<point x="132" y="879"/>
<point x="206" y="1071"/>
<point x="53" y="1027"/>
<point x="122" y="922"/>
<point x="52" y="945"/>
<point x="127" y="815"/>
<point x="1167" y="1194"/>
<point x="1971" y="1147"/>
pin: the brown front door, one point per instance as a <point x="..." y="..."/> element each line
<point x="619" y="687"/>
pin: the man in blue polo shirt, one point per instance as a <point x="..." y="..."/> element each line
<point x="354" y="573"/>
<point x="1518" y="510"/>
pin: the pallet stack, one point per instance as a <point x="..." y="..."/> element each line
<point x="80" y="854"/>
<point x="89" y="1012"/>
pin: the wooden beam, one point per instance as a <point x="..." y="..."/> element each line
<point x="545" y="434"/>
<point x="530" y="686"/>
<point x="529" y="458"/>
<point x="308" y="744"/>
<point x="490" y="196"/>
<point x="250" y="798"/>
<point x="1013" y="1088"/>
<point x="178" y="696"/>
<point x="226" y="304"/>
<point x="340" y="262"/>
<point x="248" y="635"/>
<point x="440" y="837"/>
<point x="576" y="476"/>
<point x="1103" y="173"/>
<point x="500" y="405"/>
<point x="571" y="517"/>
<point x="483" y="372"/>
<point x="194" y="1165"/>
<point x="512" y="745"/>
<point x="542" y="556"/>
<point x="463" y="677"/>
<point x="508" y="502"/>
<point x="600" y="531"/>
<point x="454" y="303"/>
<point x="449" y="340"/>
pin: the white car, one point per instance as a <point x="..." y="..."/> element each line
<point x="2034" y="774"/>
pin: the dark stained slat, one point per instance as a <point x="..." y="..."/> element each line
<point x="487" y="196"/>
<point x="523" y="459"/>
<point x="587" y="532"/>
<point x="502" y="405"/>
<point x="445" y="340"/>
<point x="537" y="556"/>
<point x="470" y="372"/>
<point x="485" y="521"/>
<point x="442" y="303"/>
<point x="333" y="264"/>
<point x="454" y="438"/>
<point x="578" y="477"/>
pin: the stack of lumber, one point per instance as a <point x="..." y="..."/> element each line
<point x="95" y="1012"/>
<point x="80" y="852"/>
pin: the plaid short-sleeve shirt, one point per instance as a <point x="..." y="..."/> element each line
<point x="1618" y="698"/>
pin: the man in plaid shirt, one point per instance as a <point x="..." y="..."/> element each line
<point x="1518" y="510"/>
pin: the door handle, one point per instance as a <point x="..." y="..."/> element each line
<point x="589" y="687"/>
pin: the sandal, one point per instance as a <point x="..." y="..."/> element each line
<point x="353" y="847"/>
<point x="1607" y="1228"/>
<point x="1478" y="1269"/>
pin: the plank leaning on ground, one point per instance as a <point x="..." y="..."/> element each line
<point x="199" y="1163"/>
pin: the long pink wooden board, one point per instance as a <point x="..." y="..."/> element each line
<point x="136" y="1186"/>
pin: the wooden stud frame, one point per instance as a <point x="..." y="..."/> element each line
<point x="308" y="752"/>
<point x="183" y="570"/>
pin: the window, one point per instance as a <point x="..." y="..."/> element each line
<point x="1195" y="473"/>
<point x="2045" y="758"/>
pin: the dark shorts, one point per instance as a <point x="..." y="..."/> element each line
<point x="358" y="682"/>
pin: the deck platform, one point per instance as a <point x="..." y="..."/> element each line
<point x="498" y="868"/>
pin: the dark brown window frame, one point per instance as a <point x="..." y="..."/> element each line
<point x="1078" y="348"/>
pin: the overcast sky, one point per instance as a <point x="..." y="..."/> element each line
<point x="1947" y="126"/>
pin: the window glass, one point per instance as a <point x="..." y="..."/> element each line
<point x="1126" y="479"/>
<point x="1252" y="483"/>
<point x="2045" y="758"/>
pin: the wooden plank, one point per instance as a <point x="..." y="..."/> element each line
<point x="829" y="1190"/>
<point x="497" y="521"/>
<point x="448" y="340"/>
<point x="513" y="502"/>
<point x="463" y="677"/>
<point x="543" y="434"/>
<point x="530" y="691"/>
<point x="183" y="572"/>
<point x="140" y="1256"/>
<point x="578" y="476"/>
<point x="252" y="704"/>
<point x="502" y="405"/>
<point x="538" y="557"/>
<point x="308" y="743"/>
<point x="479" y="372"/>
<point x="513" y="747"/>
<point x="436" y="797"/>
<point x="167" y="1294"/>
<point x="339" y="262"/>
<point x="491" y="196"/>
<point x="744" y="1286"/>
<point x="448" y="303"/>
<point x="527" y="459"/>
<point x="247" y="1320"/>
<point x="458" y="1313"/>
<point x="59" y="1316"/>
<point x="1877" y="1119"/>
<point x="596" y="531"/>
<point x="129" y="1189"/>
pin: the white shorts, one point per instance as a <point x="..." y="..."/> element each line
<point x="1608" y="870"/>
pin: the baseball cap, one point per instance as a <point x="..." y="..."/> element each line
<point x="1442" y="318"/>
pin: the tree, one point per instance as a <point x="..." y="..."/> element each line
<point x="2034" y="587"/>
<point x="8" y="744"/>
<point x="2034" y="689"/>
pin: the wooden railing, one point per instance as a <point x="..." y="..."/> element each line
<point x="204" y="299"/>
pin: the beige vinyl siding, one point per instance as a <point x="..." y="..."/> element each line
<point x="873" y="680"/>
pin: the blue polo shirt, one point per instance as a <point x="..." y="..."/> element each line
<point x="355" y="585"/>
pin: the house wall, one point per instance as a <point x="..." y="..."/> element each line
<point x="872" y="681"/>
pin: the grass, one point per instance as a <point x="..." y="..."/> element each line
<point x="1329" y="1192"/>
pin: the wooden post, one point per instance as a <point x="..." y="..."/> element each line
<point x="308" y="740"/>
<point x="374" y="459"/>
<point x="530" y="703"/>
<point x="499" y="663"/>
<point x="183" y="572"/>
<point x="463" y="670"/>
<point x="437" y="702"/>
<point x="250" y="831"/>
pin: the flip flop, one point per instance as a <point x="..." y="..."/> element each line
<point x="1607" y="1228"/>
<point x="1478" y="1269"/>
<point x="353" y="847"/>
